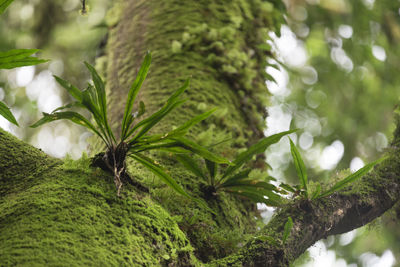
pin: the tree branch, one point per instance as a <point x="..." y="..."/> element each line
<point x="352" y="207"/>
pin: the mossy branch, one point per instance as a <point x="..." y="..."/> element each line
<point x="350" y="208"/>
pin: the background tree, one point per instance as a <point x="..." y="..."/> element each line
<point x="53" y="209"/>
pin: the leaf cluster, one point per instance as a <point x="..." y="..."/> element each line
<point x="134" y="132"/>
<point x="234" y="179"/>
<point x="303" y="190"/>
<point x="12" y="59"/>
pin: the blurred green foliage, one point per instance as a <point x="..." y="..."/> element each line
<point x="353" y="47"/>
<point x="64" y="36"/>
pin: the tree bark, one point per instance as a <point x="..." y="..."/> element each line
<point x="56" y="212"/>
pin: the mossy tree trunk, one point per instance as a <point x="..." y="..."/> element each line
<point x="56" y="212"/>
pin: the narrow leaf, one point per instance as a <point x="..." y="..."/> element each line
<point x="199" y="150"/>
<point x="89" y="100"/>
<point x="286" y="231"/>
<point x="72" y="90"/>
<point x="257" y="198"/>
<point x="300" y="167"/>
<point x="191" y="165"/>
<point x="317" y="191"/>
<point x="212" y="168"/>
<point x="172" y="103"/>
<point x="157" y="170"/>
<point x="67" y="115"/>
<point x="16" y="54"/>
<point x="247" y="188"/>
<point x="182" y="130"/>
<point x="255" y="149"/>
<point x="18" y="58"/>
<point x="142" y="109"/>
<point x="6" y="113"/>
<point x="288" y="187"/>
<point x="151" y="121"/>
<point x="174" y="97"/>
<point x="70" y="105"/>
<point x="133" y="91"/>
<point x="256" y="190"/>
<point x="257" y="184"/>
<point x="140" y="147"/>
<point x="101" y="98"/>
<point x="351" y="178"/>
<point x="237" y="177"/>
<point x="4" y="4"/>
<point x="98" y="86"/>
<point x="219" y="142"/>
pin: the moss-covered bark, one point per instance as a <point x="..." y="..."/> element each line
<point x="56" y="212"/>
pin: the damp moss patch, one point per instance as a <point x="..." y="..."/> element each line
<point x="71" y="216"/>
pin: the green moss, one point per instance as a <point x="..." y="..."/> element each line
<point x="22" y="163"/>
<point x="69" y="215"/>
<point x="114" y="14"/>
<point x="234" y="58"/>
<point x="212" y="235"/>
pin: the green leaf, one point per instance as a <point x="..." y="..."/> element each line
<point x="300" y="167"/>
<point x="151" y="121"/>
<point x="4" y="4"/>
<point x="248" y="186"/>
<point x="237" y="177"/>
<point x="172" y="103"/>
<point x="18" y="58"/>
<point x="219" y="142"/>
<point x="257" y="148"/>
<point x="70" y="105"/>
<point x="174" y="97"/>
<point x="191" y="165"/>
<point x="142" y="109"/>
<point x="261" y="184"/>
<point x="165" y="145"/>
<point x="351" y="178"/>
<point x="288" y="187"/>
<point x="101" y="99"/>
<point x="133" y="91"/>
<point x="259" y="198"/>
<point x="157" y="170"/>
<point x="72" y="90"/>
<point x="182" y="130"/>
<point x="288" y="227"/>
<point x="212" y="168"/>
<point x="317" y="191"/>
<point x="99" y="87"/>
<point x="265" y="47"/>
<point x="140" y="147"/>
<point x="90" y="101"/>
<point x="199" y="150"/>
<point x="6" y="113"/>
<point x="67" y="115"/>
<point x="175" y="150"/>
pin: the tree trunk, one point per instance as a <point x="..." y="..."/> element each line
<point x="67" y="213"/>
